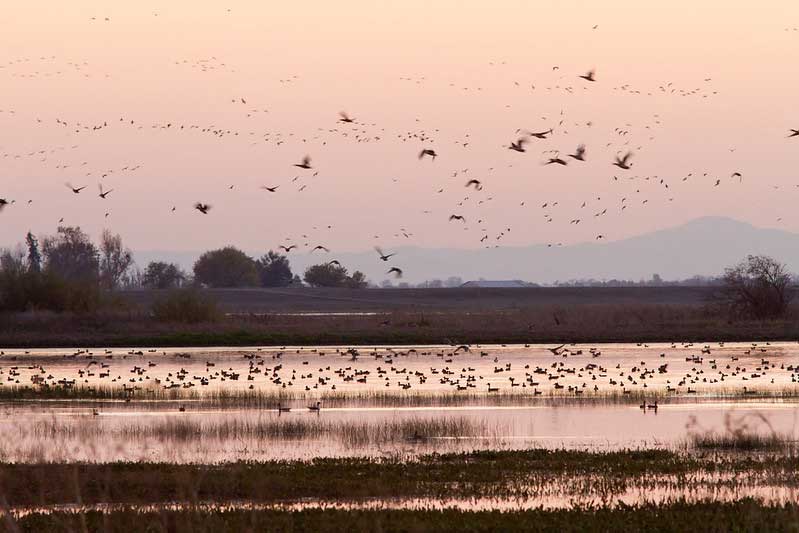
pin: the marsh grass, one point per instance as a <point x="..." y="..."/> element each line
<point x="742" y="441"/>
<point x="348" y="433"/>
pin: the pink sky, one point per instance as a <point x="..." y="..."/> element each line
<point x="459" y="71"/>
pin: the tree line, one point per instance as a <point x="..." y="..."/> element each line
<point x="67" y="271"/>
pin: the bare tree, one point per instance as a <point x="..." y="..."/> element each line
<point x="757" y="287"/>
<point x="115" y="260"/>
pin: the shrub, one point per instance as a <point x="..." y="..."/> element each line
<point x="185" y="305"/>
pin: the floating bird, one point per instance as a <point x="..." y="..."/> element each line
<point x="622" y="162"/>
<point x="202" y="208"/>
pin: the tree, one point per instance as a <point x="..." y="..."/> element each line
<point x="274" y="270"/>
<point x="356" y="281"/>
<point x="160" y="275"/>
<point x="34" y="256"/>
<point x="115" y="260"/>
<point x="71" y="255"/>
<point x="325" y="275"/>
<point x="757" y="287"/>
<point x="226" y="267"/>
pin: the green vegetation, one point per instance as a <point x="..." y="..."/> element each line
<point x="744" y="515"/>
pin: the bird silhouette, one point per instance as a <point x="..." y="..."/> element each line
<point x="540" y="134"/>
<point x="456" y="217"/>
<point x="320" y="247"/>
<point x="518" y="146"/>
<point x="202" y="208"/>
<point x="477" y="185"/>
<point x="345" y="117"/>
<point x="396" y="271"/>
<point x="590" y="76"/>
<point x="383" y="256"/>
<point x="556" y="160"/>
<point x="270" y="189"/>
<point x="622" y="162"/>
<point x="579" y="154"/>
<point x="428" y="151"/>
<point x="103" y="193"/>
<point x="287" y="249"/>
<point x="3" y="203"/>
<point x="794" y="133"/>
<point x="306" y="163"/>
<point x="334" y="262"/>
<point x="76" y="190"/>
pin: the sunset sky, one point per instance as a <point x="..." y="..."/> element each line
<point x="708" y="87"/>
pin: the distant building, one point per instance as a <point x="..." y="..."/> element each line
<point x="500" y="284"/>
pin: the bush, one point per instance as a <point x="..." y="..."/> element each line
<point x="185" y="305"/>
<point x="226" y="267"/>
<point x="757" y="287"/>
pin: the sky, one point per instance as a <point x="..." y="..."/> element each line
<point x="173" y="103"/>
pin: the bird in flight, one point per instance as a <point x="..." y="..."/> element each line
<point x="590" y="76"/>
<point x="556" y="160"/>
<point x="579" y="154"/>
<point x="270" y="189"/>
<point x="396" y="271"/>
<point x="76" y="190"/>
<point x="3" y="203"/>
<point x="345" y="117"/>
<point x="287" y="249"/>
<point x="518" y="145"/>
<point x="541" y="134"/>
<point x="794" y="133"/>
<point x="427" y="151"/>
<point x="737" y="175"/>
<point x="103" y="193"/>
<point x="622" y="162"/>
<point x="383" y="256"/>
<point x="320" y="247"/>
<point x="306" y="163"/>
<point x="202" y="208"/>
<point x="334" y="262"/>
<point x="477" y="185"/>
<point x="457" y="217"/>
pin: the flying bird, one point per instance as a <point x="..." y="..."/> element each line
<point x="345" y="117"/>
<point x="540" y="134"/>
<point x="396" y="271"/>
<point x="320" y="247"/>
<point x="3" y="203"/>
<point x="306" y="163"/>
<point x="334" y="262"/>
<point x="76" y="190"/>
<point x="270" y="189"/>
<point x="556" y="160"/>
<point x="428" y="151"/>
<point x="518" y="145"/>
<point x="579" y="154"/>
<point x="103" y="193"/>
<point x="477" y="185"/>
<point x="590" y="76"/>
<point x="622" y="162"/>
<point x="456" y="217"/>
<point x="287" y="249"/>
<point x="202" y="208"/>
<point x="794" y="133"/>
<point x="383" y="256"/>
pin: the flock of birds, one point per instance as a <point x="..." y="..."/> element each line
<point x="565" y="370"/>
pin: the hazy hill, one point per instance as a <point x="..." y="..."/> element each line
<point x="703" y="246"/>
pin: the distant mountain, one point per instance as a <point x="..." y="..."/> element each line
<point x="703" y="246"/>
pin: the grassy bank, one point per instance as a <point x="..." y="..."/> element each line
<point x="586" y="323"/>
<point x="497" y="474"/>
<point x="746" y="515"/>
